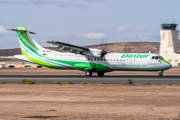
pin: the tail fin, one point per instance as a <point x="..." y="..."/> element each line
<point x="25" y="41"/>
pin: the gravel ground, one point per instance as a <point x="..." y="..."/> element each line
<point x="89" y="102"/>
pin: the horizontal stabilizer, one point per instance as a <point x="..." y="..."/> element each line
<point x="21" y="31"/>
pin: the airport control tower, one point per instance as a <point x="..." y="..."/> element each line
<point x="169" y="43"/>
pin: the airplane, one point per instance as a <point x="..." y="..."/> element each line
<point x="90" y="60"/>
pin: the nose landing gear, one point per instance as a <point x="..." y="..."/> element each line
<point x="160" y="73"/>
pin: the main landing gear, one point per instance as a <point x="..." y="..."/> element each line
<point x="88" y="73"/>
<point x="100" y="74"/>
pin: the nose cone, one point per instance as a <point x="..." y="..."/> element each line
<point x="168" y="65"/>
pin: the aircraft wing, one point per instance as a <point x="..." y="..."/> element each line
<point x="70" y="48"/>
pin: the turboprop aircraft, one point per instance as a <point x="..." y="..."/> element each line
<point x="90" y="60"/>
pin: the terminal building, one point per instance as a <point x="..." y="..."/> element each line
<point x="11" y="62"/>
<point x="169" y="43"/>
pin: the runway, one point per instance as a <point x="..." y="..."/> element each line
<point x="77" y="79"/>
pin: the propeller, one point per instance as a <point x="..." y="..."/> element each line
<point x="103" y="48"/>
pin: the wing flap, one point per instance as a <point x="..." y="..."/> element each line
<point x="70" y="48"/>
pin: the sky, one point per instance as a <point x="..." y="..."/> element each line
<point x="86" y="22"/>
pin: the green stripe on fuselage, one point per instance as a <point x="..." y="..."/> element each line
<point x="163" y="61"/>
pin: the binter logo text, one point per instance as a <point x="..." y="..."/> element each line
<point x="134" y="56"/>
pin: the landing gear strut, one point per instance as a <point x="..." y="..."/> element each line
<point x="88" y="73"/>
<point x="100" y="73"/>
<point x="160" y="73"/>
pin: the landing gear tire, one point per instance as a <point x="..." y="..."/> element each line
<point x="160" y="74"/>
<point x="88" y="73"/>
<point x="100" y="74"/>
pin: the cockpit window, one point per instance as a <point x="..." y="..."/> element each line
<point x="157" y="57"/>
<point x="161" y="58"/>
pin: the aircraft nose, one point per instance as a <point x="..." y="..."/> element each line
<point x="168" y="65"/>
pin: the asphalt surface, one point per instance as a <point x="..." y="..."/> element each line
<point x="46" y="79"/>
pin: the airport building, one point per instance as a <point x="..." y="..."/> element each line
<point x="11" y="62"/>
<point x="169" y="43"/>
<point x="19" y="64"/>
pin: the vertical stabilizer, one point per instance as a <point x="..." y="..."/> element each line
<point x="26" y="42"/>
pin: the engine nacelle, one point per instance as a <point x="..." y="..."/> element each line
<point x="94" y="52"/>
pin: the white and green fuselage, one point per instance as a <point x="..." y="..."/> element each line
<point x="33" y="52"/>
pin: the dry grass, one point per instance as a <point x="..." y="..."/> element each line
<point x="3" y="82"/>
<point x="27" y="81"/>
<point x="84" y="82"/>
<point x="129" y="81"/>
<point x="56" y="82"/>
